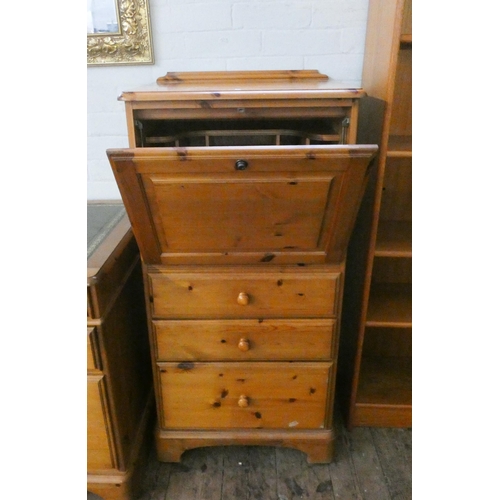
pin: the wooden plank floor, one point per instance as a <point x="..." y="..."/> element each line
<point x="369" y="464"/>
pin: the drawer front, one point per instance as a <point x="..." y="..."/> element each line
<point x="240" y="340"/>
<point x="99" y="442"/>
<point x="103" y="290"/>
<point x="244" y="395"/>
<point x="243" y="295"/>
<point x="93" y="359"/>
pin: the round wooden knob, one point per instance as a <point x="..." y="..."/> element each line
<point x="243" y="299"/>
<point x="243" y="402"/>
<point x="244" y="345"/>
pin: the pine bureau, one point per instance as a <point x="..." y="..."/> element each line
<point x="242" y="189"/>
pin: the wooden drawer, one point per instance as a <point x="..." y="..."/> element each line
<point x="243" y="395"/>
<point x="244" y="293"/>
<point x="93" y="358"/>
<point x="240" y="340"/>
<point x="100" y="453"/>
<point x="104" y="286"/>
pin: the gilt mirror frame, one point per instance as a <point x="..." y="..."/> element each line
<point x="132" y="44"/>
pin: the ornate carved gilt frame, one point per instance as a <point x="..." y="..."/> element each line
<point x="132" y="45"/>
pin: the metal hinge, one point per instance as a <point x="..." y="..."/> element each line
<point x="345" y="126"/>
<point x="140" y="131"/>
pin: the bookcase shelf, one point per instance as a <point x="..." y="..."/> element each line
<point x="385" y="381"/>
<point x="389" y="305"/>
<point x="399" y="146"/>
<point x="384" y="393"/>
<point x="394" y="239"/>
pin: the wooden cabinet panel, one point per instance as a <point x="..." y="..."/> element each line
<point x="245" y="205"/>
<point x="401" y="113"/>
<point x="257" y="213"/>
<point x="396" y="203"/>
<point x="241" y="395"/>
<point x="240" y="340"/>
<point x="93" y="360"/>
<point x="106" y="275"/>
<point x="239" y="294"/>
<point x="99" y="445"/>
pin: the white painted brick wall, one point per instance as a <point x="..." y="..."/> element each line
<point x="213" y="35"/>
